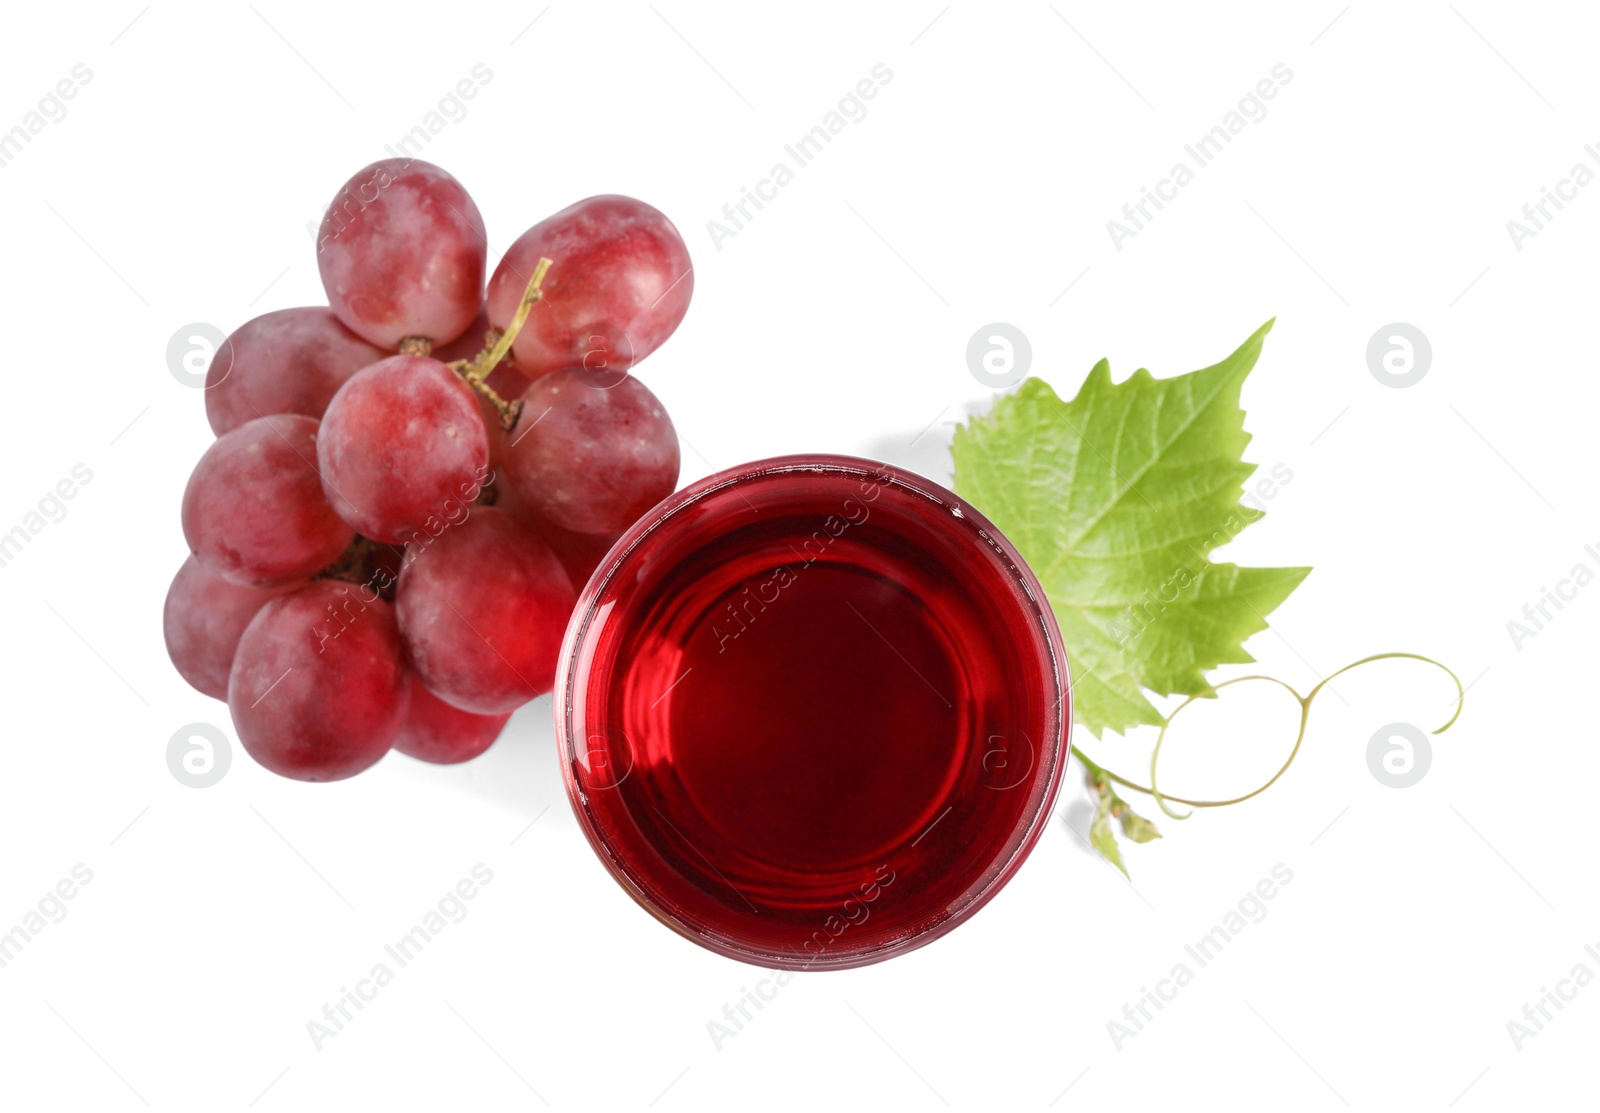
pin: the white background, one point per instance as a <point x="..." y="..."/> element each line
<point x="977" y="189"/>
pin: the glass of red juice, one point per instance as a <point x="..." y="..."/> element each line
<point x="813" y="712"/>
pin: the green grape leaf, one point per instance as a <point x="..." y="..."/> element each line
<point x="1116" y="499"/>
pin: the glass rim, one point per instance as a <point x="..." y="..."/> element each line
<point x="1057" y="746"/>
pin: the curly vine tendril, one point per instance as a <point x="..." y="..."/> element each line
<point x="1305" y="715"/>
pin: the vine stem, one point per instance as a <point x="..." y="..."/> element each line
<point x="498" y="345"/>
<point x="1304" y="701"/>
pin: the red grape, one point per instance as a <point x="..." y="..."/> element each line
<point x="620" y="284"/>
<point x="492" y="430"/>
<point x="202" y="620"/>
<point x="469" y="343"/>
<point x="403" y="447"/>
<point x="589" y="457"/>
<point x="507" y="381"/>
<point x="402" y="253"/>
<point x="436" y="732"/>
<point x="254" y="511"/>
<point x="483" y="610"/>
<point x="580" y="553"/>
<point x="290" y="361"/>
<point x="318" y="690"/>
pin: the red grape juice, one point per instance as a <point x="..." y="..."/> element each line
<point x="812" y="711"/>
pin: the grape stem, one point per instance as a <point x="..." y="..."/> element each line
<point x="497" y="345"/>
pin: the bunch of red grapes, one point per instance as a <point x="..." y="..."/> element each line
<point x="408" y="484"/>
